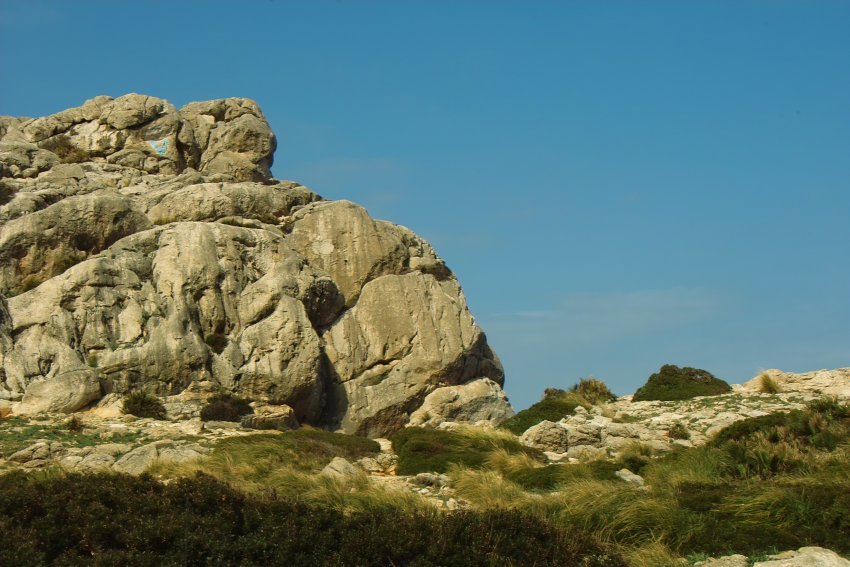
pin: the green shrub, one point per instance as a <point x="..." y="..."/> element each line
<point x="555" y="405"/>
<point x="216" y="341"/>
<point x="431" y="450"/>
<point x="594" y="391"/>
<point x="225" y="407"/>
<point x="551" y="477"/>
<point x="74" y="425"/>
<point x="142" y="404"/>
<point x="674" y="383"/>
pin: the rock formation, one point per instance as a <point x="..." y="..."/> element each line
<point x="148" y="247"/>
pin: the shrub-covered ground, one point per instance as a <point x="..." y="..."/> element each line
<point x="120" y="520"/>
<point x="674" y="383"/>
<point x="762" y="485"/>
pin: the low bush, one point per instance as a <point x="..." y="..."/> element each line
<point x="225" y="407"/>
<point x="678" y="431"/>
<point x="432" y="450"/>
<point x="674" y="383"/>
<point x="111" y="520"/>
<point x="143" y="404"/>
<point x="555" y="405"/>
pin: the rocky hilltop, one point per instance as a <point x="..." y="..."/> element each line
<point x="148" y="247"/>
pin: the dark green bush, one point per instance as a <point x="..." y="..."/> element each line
<point x="430" y="450"/>
<point x="555" y="405"/>
<point x="142" y="404"/>
<point x="112" y="520"/>
<point x="225" y="407"/>
<point x="674" y="383"/>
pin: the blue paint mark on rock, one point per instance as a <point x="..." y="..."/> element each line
<point x="159" y="146"/>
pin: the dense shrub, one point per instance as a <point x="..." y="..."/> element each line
<point x="674" y="383"/>
<point x="431" y="450"/>
<point x="142" y="404"/>
<point x="767" y="385"/>
<point x="111" y="520"/>
<point x="555" y="405"/>
<point x="225" y="407"/>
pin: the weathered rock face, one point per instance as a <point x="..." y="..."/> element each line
<point x="142" y="246"/>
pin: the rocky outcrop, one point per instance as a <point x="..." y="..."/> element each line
<point x="145" y="246"/>
<point x="472" y="402"/>
<point x="826" y="382"/>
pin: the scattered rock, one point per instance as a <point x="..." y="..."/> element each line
<point x="547" y="436"/>
<point x="340" y="469"/>
<point x="805" y="557"/>
<point x="474" y="401"/>
<point x="630" y="477"/>
<point x="280" y="417"/>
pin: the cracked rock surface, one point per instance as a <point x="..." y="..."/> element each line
<point x="148" y="247"/>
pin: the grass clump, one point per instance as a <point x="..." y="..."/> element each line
<point x="594" y="391"/>
<point x="555" y="405"/>
<point x="431" y="450"/>
<point x="225" y="407"/>
<point x="768" y="385"/>
<point x="143" y="404"/>
<point x="674" y="383"/>
<point x="678" y="431"/>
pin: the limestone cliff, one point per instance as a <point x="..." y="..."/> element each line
<point x="144" y="246"/>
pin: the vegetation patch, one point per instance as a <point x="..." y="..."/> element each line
<point x="767" y="385"/>
<point x="113" y="519"/>
<point x="555" y="405"/>
<point x="674" y="383"/>
<point x="431" y="450"/>
<point x="225" y="407"/>
<point x="594" y="391"/>
<point x="142" y="404"/>
<point x="7" y="192"/>
<point x="18" y="433"/>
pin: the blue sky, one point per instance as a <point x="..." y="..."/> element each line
<point x="617" y="185"/>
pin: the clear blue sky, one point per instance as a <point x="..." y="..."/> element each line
<point x="618" y="185"/>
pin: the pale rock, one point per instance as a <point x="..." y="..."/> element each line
<point x="727" y="561"/>
<point x="279" y="417"/>
<point x="821" y="382"/>
<point x="386" y="361"/>
<point x="39" y="451"/>
<point x="339" y="469"/>
<point x="474" y="401"/>
<point x="62" y="392"/>
<point x="547" y="436"/>
<point x="161" y="254"/>
<point x="137" y="461"/>
<point x="630" y="477"/>
<point x="805" y="557"/>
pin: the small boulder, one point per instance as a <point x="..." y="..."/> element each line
<point x="339" y="469"/>
<point x="630" y="477"/>
<point x="805" y="557"/>
<point x="547" y="436"/>
<point x="280" y="417"/>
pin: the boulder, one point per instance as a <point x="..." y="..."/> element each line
<point x="280" y="417"/>
<point x="547" y="436"/>
<point x="805" y="557"/>
<point x="476" y="400"/>
<point x="148" y="247"/>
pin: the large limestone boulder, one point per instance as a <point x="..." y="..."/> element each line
<point x="472" y="402"/>
<point x="145" y="246"/>
<point x="385" y="361"/>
